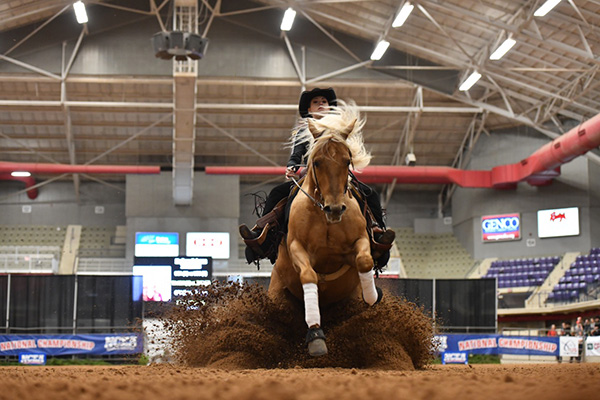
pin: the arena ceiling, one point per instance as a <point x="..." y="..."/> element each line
<point x="548" y="81"/>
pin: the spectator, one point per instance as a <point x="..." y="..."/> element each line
<point x="596" y="328"/>
<point x="552" y="331"/>
<point x="566" y="329"/>
<point x="579" y="332"/>
<point x="559" y="332"/>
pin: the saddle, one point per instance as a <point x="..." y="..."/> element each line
<point x="274" y="228"/>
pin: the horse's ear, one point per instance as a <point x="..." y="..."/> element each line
<point x="313" y="129"/>
<point x="348" y="129"/>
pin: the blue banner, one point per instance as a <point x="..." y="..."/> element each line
<point x="58" y="345"/>
<point x="498" y="344"/>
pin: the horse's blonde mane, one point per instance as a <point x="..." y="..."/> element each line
<point x="331" y="124"/>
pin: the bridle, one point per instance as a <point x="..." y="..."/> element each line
<point x="315" y="201"/>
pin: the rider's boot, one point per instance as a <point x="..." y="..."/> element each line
<point x="255" y="239"/>
<point x="250" y="234"/>
<point x="381" y="248"/>
<point x="259" y="241"/>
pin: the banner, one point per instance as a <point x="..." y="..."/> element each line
<point x="58" y="345"/>
<point x="592" y="346"/>
<point x="498" y="344"/>
<point x="496" y="228"/>
<point x="455" y="358"/>
<point x="569" y="346"/>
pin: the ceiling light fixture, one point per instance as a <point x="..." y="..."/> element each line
<point x="470" y="81"/>
<point x="545" y="8"/>
<point x="403" y="15"/>
<point x="503" y="49"/>
<point x="288" y="19"/>
<point x="20" y="174"/>
<point x="80" y="13"/>
<point x="380" y="49"/>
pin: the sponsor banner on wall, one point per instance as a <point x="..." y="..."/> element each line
<point x="455" y="358"/>
<point x="32" y="359"/>
<point x="592" y="346"/>
<point x="498" y="344"/>
<point x="58" y="345"/>
<point x="495" y="228"/>
<point x="569" y="346"/>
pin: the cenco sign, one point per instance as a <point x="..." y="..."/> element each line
<point x="500" y="227"/>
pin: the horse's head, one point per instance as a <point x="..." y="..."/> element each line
<point x="329" y="163"/>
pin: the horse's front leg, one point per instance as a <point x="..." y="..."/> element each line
<point x="308" y="277"/>
<point x="364" y="265"/>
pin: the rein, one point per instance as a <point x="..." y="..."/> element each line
<point x="317" y="203"/>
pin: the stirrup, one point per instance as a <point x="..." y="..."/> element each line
<point x="257" y="241"/>
<point x="247" y="233"/>
<point x="383" y="236"/>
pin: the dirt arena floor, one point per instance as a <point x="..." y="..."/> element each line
<point x="161" y="382"/>
<point x="232" y="342"/>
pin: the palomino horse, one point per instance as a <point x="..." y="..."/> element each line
<point x="326" y="256"/>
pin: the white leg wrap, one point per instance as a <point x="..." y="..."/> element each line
<point x="368" y="287"/>
<point x="311" y="304"/>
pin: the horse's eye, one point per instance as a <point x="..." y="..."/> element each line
<point x="348" y="163"/>
<point x="316" y="164"/>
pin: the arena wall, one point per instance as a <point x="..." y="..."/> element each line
<point x="58" y="205"/>
<point x="570" y="189"/>
<point x="150" y="207"/>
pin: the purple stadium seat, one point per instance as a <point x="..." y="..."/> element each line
<point x="573" y="294"/>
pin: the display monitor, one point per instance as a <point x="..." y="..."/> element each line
<point x="156" y="244"/>
<point x="156" y="281"/>
<point x="558" y="222"/>
<point x="208" y="244"/>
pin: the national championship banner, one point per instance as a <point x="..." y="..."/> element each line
<point x="58" y="345"/>
<point x="498" y="344"/>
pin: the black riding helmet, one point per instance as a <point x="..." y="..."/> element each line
<point x="307" y="96"/>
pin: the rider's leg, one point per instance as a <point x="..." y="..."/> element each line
<point x="383" y="236"/>
<point x="277" y="194"/>
<point x="258" y="241"/>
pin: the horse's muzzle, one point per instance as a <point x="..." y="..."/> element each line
<point x="334" y="213"/>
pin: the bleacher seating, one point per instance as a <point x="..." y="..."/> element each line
<point x="32" y="235"/>
<point x="100" y="241"/>
<point x="577" y="281"/>
<point x="526" y="272"/>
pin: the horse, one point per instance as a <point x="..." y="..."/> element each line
<point x="326" y="255"/>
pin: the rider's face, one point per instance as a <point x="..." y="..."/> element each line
<point x="318" y="106"/>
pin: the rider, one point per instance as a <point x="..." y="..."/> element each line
<point x="313" y="104"/>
